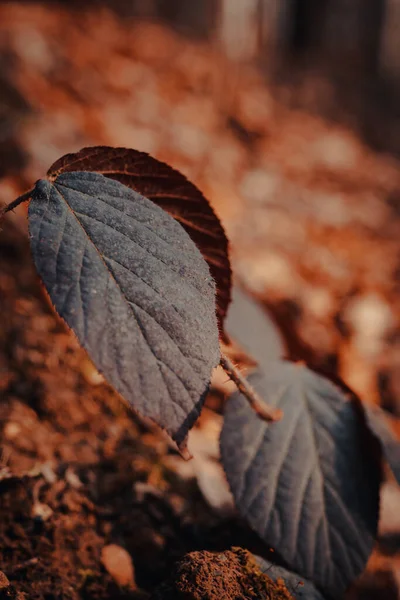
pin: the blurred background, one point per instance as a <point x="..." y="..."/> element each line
<point x="285" y="113"/>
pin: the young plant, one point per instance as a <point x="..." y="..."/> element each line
<point x="136" y="262"/>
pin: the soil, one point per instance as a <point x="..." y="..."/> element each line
<point x="94" y="503"/>
<point x="232" y="574"/>
<point x="78" y="471"/>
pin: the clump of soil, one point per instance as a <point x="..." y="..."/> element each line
<point x="230" y="575"/>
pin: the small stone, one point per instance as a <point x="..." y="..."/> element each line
<point x="118" y="563"/>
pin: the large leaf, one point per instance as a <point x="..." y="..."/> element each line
<point x="135" y="289"/>
<point x="305" y="483"/>
<point x="380" y="422"/>
<point x="300" y="588"/>
<point x="169" y="189"/>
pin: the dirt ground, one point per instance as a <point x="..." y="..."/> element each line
<point x="313" y="216"/>
<point x="78" y="471"/>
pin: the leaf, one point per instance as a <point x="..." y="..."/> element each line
<point x="252" y="327"/>
<point x="134" y="288"/>
<point x="169" y="189"/>
<point x="304" y="483"/>
<point x="379" y="423"/>
<point x="300" y="588"/>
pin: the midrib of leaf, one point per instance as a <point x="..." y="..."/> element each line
<point x="320" y="473"/>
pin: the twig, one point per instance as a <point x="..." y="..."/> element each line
<point x="265" y="412"/>
<point x="22" y="565"/>
<point x="23" y="198"/>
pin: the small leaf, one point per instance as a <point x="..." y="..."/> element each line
<point x="379" y="423"/>
<point x="169" y="189"/>
<point x="305" y="483"/>
<point x="249" y="324"/>
<point x="300" y="588"/>
<point x="134" y="288"/>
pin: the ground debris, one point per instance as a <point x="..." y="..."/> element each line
<point x="224" y="576"/>
<point x="118" y="563"/>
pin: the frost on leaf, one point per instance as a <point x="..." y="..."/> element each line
<point x="170" y="190"/>
<point x="306" y="484"/>
<point x="134" y="288"/>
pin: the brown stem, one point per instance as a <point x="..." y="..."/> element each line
<point x="23" y="198"/>
<point x="265" y="412"/>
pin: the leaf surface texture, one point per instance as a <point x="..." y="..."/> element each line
<point x="134" y="288"/>
<point x="170" y="190"/>
<point x="306" y="484"/>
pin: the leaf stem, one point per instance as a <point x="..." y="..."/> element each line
<point x="265" y="412"/>
<point x="23" y="198"/>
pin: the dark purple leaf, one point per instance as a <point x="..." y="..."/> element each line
<point x="306" y="484"/>
<point x="134" y="288"/>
